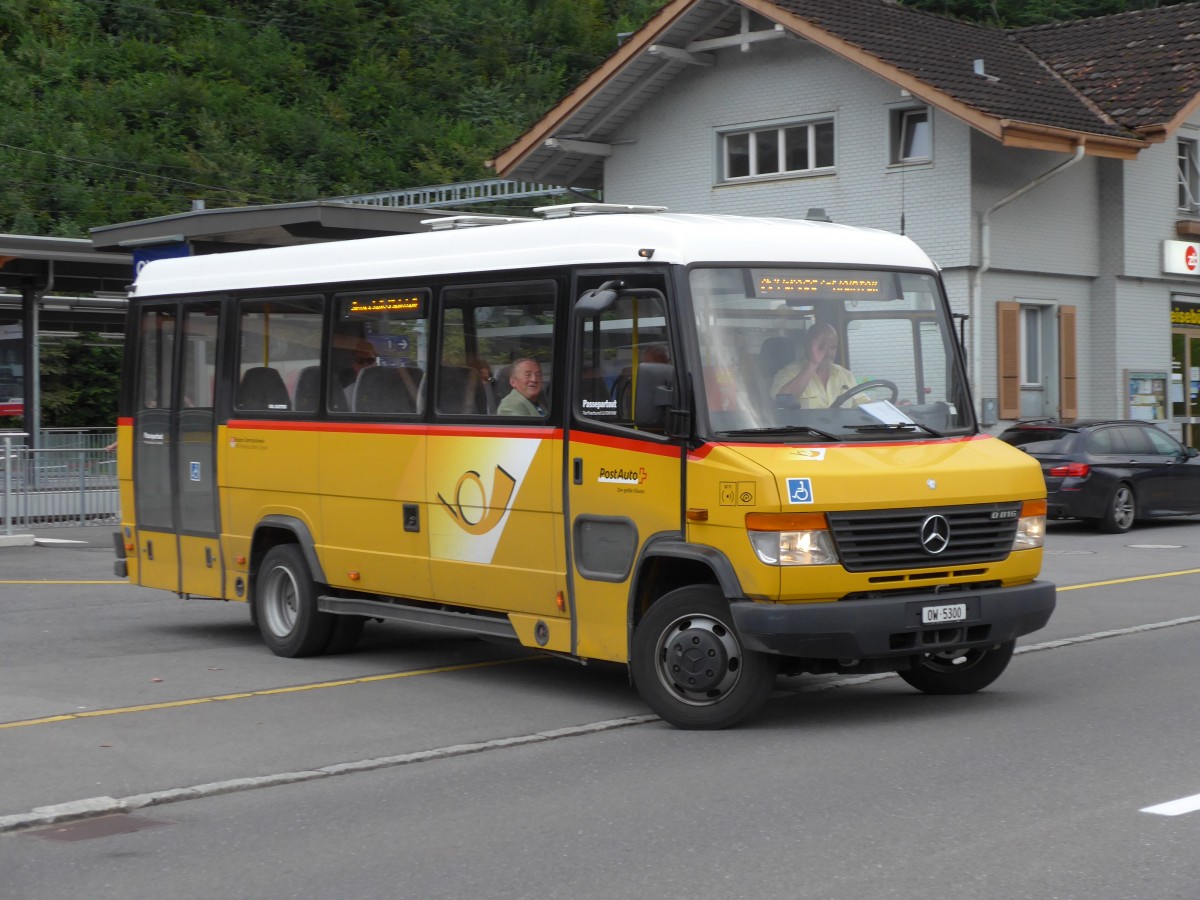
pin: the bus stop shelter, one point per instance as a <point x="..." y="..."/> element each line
<point x="73" y="282"/>
<point x="66" y="274"/>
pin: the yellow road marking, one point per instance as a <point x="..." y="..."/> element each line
<point x="292" y="689"/>
<point x="391" y="676"/>
<point x="1092" y="584"/>
<point x="65" y="582"/>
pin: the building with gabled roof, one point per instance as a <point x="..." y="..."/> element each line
<point x="1051" y="171"/>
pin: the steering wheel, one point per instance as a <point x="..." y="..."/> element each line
<point x="863" y="388"/>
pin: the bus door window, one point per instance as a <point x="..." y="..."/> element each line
<point x="278" y="339"/>
<point x="497" y="350"/>
<point x="379" y="352"/>
<point x="626" y="375"/>
<point x="197" y="438"/>
<point x="152" y="416"/>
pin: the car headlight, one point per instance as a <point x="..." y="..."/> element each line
<point x="791" y="539"/>
<point x="1031" y="527"/>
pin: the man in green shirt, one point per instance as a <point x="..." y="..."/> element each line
<point x="525" y="398"/>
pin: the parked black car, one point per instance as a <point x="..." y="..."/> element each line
<point x="1113" y="472"/>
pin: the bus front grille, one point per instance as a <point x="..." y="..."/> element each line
<point x="873" y="540"/>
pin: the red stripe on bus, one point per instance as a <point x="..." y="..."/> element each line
<point x="538" y="433"/>
<point x="615" y="442"/>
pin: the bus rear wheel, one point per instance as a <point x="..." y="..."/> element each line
<point x="690" y="666"/>
<point x="959" y="671"/>
<point x="285" y="598"/>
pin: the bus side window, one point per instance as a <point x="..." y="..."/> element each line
<point x="497" y="351"/>
<point x="626" y="377"/>
<point x="278" y="338"/>
<point x="378" y="357"/>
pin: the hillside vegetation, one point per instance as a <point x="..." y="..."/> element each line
<point x="117" y="110"/>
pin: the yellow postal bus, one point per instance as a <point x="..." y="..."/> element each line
<point x="713" y="448"/>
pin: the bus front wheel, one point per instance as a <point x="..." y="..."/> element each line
<point x="690" y="666"/>
<point x="959" y="671"/>
<point x="285" y="598"/>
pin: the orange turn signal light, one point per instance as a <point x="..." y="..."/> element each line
<point x="785" y="522"/>
<point x="1033" y="508"/>
<point x="354" y="576"/>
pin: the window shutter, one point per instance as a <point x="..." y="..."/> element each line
<point x="1008" y="354"/>
<point x="1068" y="389"/>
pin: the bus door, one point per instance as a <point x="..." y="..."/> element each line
<point x="174" y="441"/>
<point x="624" y="471"/>
<point x="494" y="462"/>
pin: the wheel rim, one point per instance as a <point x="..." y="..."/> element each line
<point x="1123" y="508"/>
<point x="281" y="602"/>
<point x="699" y="660"/>
<point x="953" y="660"/>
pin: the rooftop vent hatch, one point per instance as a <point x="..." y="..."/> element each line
<point x="569" y="210"/>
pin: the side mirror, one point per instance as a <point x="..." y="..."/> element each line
<point x="1190" y="452"/>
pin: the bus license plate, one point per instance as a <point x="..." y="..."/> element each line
<point x="936" y="615"/>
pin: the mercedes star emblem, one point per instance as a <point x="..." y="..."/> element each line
<point x="935" y="534"/>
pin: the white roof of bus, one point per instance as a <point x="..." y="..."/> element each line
<point x="584" y="240"/>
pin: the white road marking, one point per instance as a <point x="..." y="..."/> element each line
<point x="1175" y="807"/>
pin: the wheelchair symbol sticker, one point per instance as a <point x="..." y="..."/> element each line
<point x="799" y="490"/>
<point x="195" y="471"/>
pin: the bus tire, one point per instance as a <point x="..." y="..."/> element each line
<point x="285" y="598"/>
<point x="690" y="666"/>
<point x="344" y="635"/>
<point x="959" y="671"/>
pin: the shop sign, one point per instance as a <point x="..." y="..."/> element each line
<point x="1181" y="258"/>
<point x="1185" y="314"/>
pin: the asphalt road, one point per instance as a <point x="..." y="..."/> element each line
<point x="424" y="766"/>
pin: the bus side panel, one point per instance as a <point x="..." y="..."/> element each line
<point x="125" y="491"/>
<point x="628" y="491"/>
<point x="495" y="520"/>
<point x="265" y="471"/>
<point x="367" y="480"/>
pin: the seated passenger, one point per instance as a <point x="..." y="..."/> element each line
<point x="525" y="398"/>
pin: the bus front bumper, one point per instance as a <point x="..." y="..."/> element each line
<point x="883" y="627"/>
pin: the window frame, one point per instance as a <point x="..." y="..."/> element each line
<point x="752" y="135"/>
<point x="1188" y="157"/>
<point x="900" y="132"/>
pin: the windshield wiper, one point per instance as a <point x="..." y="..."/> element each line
<point x="894" y="427"/>
<point x="783" y="429"/>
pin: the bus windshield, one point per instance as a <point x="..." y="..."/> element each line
<point x="821" y="354"/>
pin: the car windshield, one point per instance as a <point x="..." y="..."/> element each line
<point x="818" y="354"/>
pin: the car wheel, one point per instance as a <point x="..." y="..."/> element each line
<point x="286" y="599"/>
<point x="959" y="671"/>
<point x="1121" y="511"/>
<point x="689" y="664"/>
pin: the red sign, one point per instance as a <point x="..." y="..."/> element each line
<point x="1189" y="258"/>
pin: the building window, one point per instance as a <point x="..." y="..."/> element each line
<point x="1189" y="175"/>
<point x="789" y="149"/>
<point x="1031" y="346"/>
<point x="912" y="136"/>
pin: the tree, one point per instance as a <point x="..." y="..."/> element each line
<point x="80" y="377"/>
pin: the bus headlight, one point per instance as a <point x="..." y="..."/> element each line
<point x="1031" y="527"/>
<point x="790" y="539"/>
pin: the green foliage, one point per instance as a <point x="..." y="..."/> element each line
<point x="79" y="380"/>
<point x="117" y="110"/>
